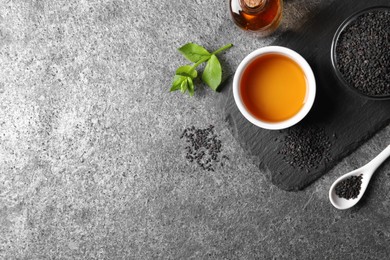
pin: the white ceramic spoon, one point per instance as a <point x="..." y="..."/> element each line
<point x="367" y="171"/>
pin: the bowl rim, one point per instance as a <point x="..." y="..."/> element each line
<point x="333" y="54"/>
<point x="310" y="86"/>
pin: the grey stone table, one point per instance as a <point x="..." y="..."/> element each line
<point x="91" y="163"/>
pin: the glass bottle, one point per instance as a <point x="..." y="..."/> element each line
<point x="261" y="16"/>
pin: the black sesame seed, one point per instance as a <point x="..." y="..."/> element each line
<point x="363" y="56"/>
<point x="349" y="188"/>
<point x="305" y="147"/>
<point x="204" y="147"/>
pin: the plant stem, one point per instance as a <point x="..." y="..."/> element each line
<point x="200" y="62"/>
<point x="227" y="46"/>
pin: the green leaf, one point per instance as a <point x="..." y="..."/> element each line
<point x="176" y="84"/>
<point x="185" y="75"/>
<point x="191" y="87"/>
<point x="212" y="74"/>
<point x="194" y="52"/>
<point x="184" y="86"/>
<point x="187" y="70"/>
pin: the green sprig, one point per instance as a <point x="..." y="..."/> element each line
<point x="185" y="75"/>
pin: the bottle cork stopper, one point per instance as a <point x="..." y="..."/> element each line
<point x="253" y="3"/>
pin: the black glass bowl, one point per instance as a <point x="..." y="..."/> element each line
<point x="335" y="41"/>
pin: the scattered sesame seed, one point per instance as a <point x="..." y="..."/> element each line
<point x="204" y="147"/>
<point x="305" y="148"/>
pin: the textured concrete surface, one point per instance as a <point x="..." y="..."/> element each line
<point x="91" y="164"/>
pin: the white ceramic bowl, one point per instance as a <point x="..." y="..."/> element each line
<point x="310" y="87"/>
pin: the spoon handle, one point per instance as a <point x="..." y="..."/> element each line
<point x="379" y="159"/>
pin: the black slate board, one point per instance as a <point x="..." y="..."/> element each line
<point x="346" y="118"/>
